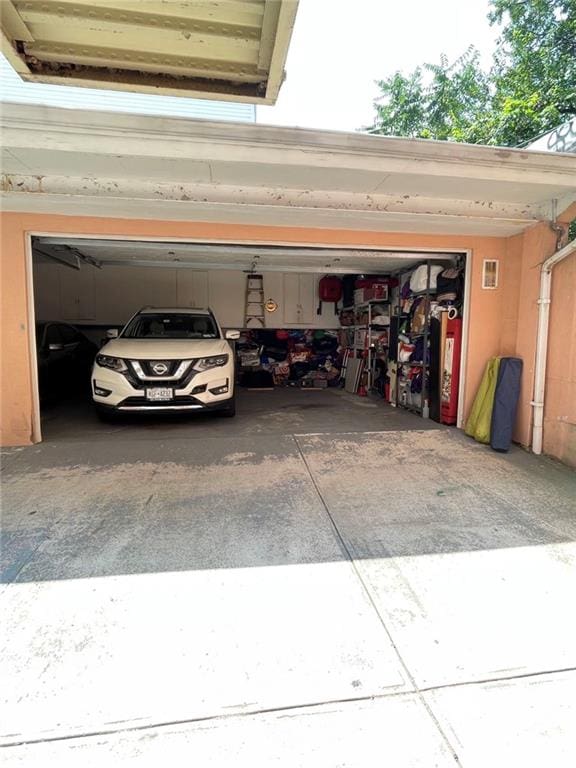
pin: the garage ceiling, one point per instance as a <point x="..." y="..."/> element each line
<point x="217" y="49"/>
<point x="261" y="258"/>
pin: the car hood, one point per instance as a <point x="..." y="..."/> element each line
<point x="165" y="349"/>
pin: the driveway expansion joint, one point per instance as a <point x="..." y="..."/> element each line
<point x="346" y="549"/>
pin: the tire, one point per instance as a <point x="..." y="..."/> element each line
<point x="105" y="414"/>
<point x="230" y="410"/>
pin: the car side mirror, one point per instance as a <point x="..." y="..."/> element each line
<point x="112" y="333"/>
<point x="55" y="347"/>
<point x="232" y="335"/>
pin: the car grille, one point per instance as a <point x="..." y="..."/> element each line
<point x="146" y="373"/>
<point x="159" y="367"/>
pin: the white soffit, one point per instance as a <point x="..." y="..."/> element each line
<point x="126" y="166"/>
<point x="215" y="49"/>
<point x="193" y="255"/>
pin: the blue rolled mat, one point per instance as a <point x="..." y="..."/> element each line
<point x="505" y="403"/>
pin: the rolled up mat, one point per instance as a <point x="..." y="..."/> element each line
<point x="505" y="403"/>
<point x="480" y="418"/>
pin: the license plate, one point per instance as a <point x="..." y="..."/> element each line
<point x="160" y="393"/>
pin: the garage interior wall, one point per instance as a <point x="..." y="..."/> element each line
<point x="495" y="326"/>
<point x="92" y="296"/>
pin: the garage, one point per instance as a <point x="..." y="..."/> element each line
<point x="329" y="572"/>
<point x="318" y="329"/>
<point x="166" y="212"/>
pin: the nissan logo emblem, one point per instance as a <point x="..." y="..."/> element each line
<point x="160" y="368"/>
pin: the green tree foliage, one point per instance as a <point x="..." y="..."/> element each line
<point x="530" y="89"/>
<point x="436" y="101"/>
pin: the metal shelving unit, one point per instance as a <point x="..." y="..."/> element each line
<point x="424" y="364"/>
<point x="368" y="327"/>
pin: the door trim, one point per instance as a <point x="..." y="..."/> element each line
<point x="36" y="436"/>
<point x="36" y="426"/>
<point x="465" y="333"/>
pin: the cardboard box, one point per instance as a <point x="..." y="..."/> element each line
<point x="377" y="291"/>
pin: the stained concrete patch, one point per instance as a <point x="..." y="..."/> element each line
<point x="220" y="506"/>
<point x="17" y="549"/>
<point x="527" y="722"/>
<point x="389" y="732"/>
<point x="262" y="413"/>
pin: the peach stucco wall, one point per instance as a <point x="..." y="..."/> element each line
<point x="15" y="374"/>
<point x="560" y="399"/>
<point x="537" y="244"/>
<point x="497" y="318"/>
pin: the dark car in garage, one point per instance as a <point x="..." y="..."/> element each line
<point x="65" y="357"/>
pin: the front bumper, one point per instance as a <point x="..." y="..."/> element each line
<point x="207" y="390"/>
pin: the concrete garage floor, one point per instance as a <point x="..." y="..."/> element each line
<point x="260" y="412"/>
<point x="375" y="594"/>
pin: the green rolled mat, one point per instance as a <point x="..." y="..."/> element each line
<point x="480" y="418"/>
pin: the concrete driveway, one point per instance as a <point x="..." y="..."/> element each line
<point x="401" y="598"/>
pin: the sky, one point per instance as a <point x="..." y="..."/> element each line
<point x="340" y="47"/>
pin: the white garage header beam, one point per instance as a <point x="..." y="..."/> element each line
<point x="112" y="165"/>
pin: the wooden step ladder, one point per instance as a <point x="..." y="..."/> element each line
<point x="254" y="304"/>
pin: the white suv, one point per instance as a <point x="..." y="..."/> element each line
<point x="166" y="360"/>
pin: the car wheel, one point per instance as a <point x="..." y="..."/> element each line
<point x="230" y="409"/>
<point x="105" y="414"/>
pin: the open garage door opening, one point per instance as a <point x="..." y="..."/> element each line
<point x="290" y="338"/>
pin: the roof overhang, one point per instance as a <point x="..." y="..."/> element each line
<point x="126" y="166"/>
<point x="214" y="49"/>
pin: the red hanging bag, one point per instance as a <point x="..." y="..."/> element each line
<point x="330" y="290"/>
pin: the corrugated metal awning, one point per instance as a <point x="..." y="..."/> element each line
<point x="226" y="49"/>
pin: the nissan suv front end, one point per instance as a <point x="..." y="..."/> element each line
<point x="166" y="360"/>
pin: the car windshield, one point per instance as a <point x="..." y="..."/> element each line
<point x="171" y="326"/>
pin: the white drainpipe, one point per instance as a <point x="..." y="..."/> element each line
<point x="542" y="342"/>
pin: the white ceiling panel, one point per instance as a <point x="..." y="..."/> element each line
<point x="111" y="253"/>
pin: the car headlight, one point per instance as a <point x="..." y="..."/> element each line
<point x="114" y="363"/>
<point x="205" y="363"/>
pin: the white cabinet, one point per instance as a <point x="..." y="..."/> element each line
<point x="299" y="298"/>
<point x="274" y="291"/>
<point x="111" y="295"/>
<point x="47" y="292"/>
<point x="78" y="293"/>
<point x="122" y="291"/>
<point x="227" y="294"/>
<point x="192" y="288"/>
